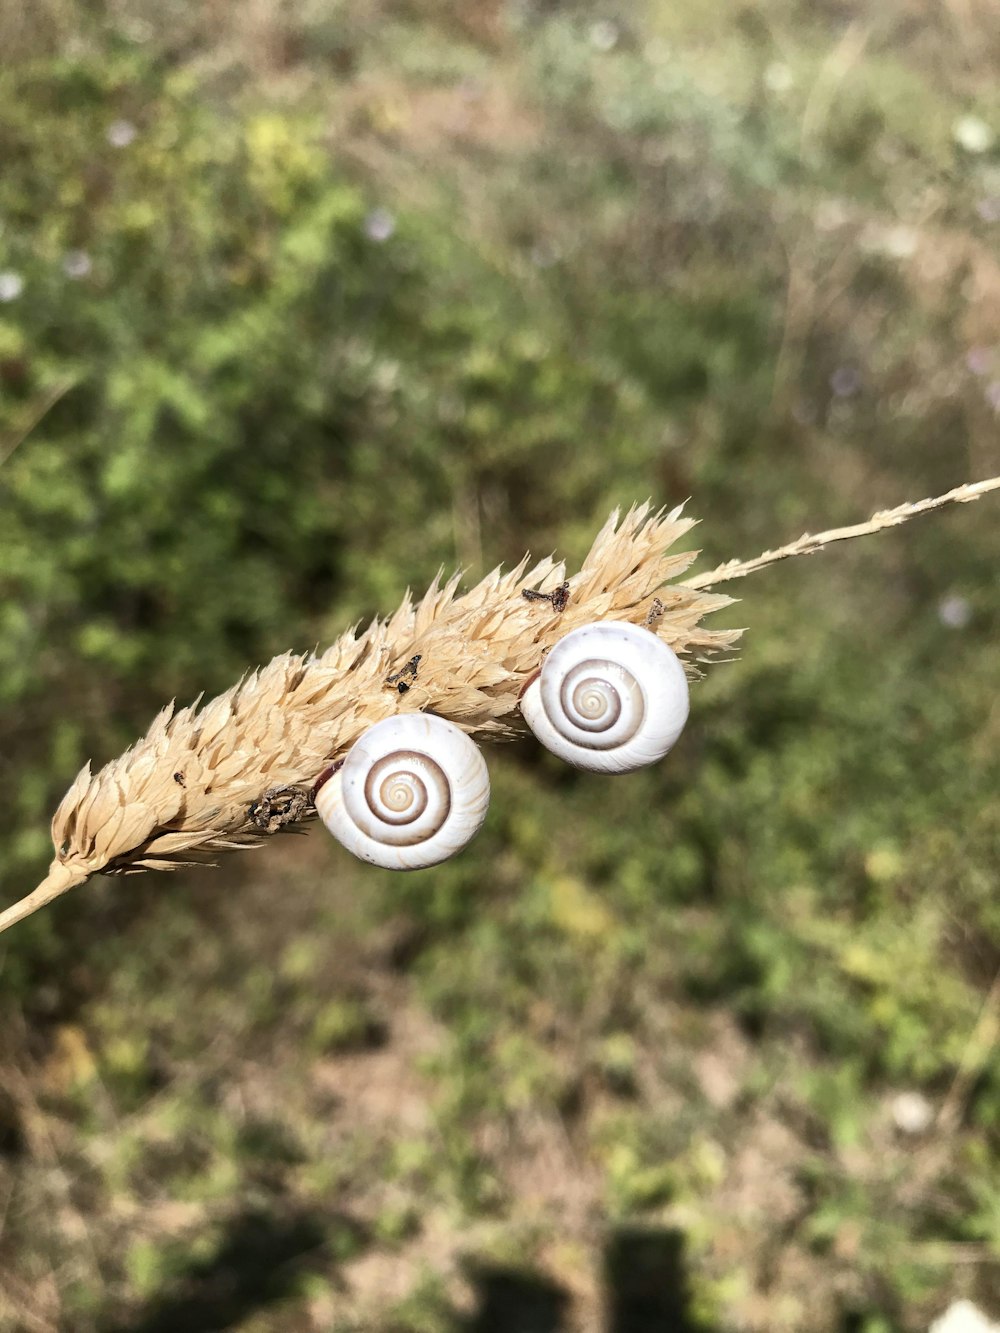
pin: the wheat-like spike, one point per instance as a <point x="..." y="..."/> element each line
<point x="199" y="781"/>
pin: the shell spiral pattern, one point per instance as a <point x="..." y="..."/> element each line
<point x="412" y="792"/>
<point x="611" y="698"/>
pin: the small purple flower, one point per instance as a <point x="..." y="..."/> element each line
<point x="978" y="360"/>
<point x="544" y="255"/>
<point x="989" y="208"/>
<point x="77" y="264"/>
<point x="11" y="285"/>
<point x="120" y="133"/>
<point x="379" y="225"/>
<point x="845" y="382"/>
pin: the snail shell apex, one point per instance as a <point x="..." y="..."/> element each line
<point x="412" y="792"/>
<point x="611" y="697"/>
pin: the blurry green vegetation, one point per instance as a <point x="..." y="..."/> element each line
<point x="299" y="305"/>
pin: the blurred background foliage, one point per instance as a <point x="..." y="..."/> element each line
<point x="300" y="301"/>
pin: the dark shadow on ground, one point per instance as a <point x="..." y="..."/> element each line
<point x="645" y="1291"/>
<point x="259" y="1261"/>
<point x="515" y="1301"/>
<point x="646" y="1282"/>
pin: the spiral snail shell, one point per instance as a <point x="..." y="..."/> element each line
<point x="611" y="698"/>
<point x="412" y="792"/>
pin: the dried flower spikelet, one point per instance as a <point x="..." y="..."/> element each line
<point x="190" y="788"/>
<point x="205" y="780"/>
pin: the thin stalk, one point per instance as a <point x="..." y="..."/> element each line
<point x="58" y="881"/>
<point x="808" y="543"/>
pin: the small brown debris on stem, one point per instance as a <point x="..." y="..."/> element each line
<point x="401" y="680"/>
<point x="558" y="598"/>
<point x="279" y="807"/>
<point x="655" y="611"/>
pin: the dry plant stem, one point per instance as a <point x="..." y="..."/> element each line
<point x="58" y="881"/>
<point x="196" y="783"/>
<point x="807" y="543"/>
<point x="975" y="1058"/>
<point x="36" y="414"/>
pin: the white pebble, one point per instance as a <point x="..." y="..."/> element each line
<point x="11" y="285"/>
<point x="120" y="133"/>
<point x="912" y="1112"/>
<point x="973" y="134"/>
<point x="963" y="1317"/>
<point x="954" y="612"/>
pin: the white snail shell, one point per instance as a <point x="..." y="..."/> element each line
<point x="611" y="698"/>
<point x="412" y="792"/>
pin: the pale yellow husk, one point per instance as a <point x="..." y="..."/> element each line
<point x="188" y="789"/>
